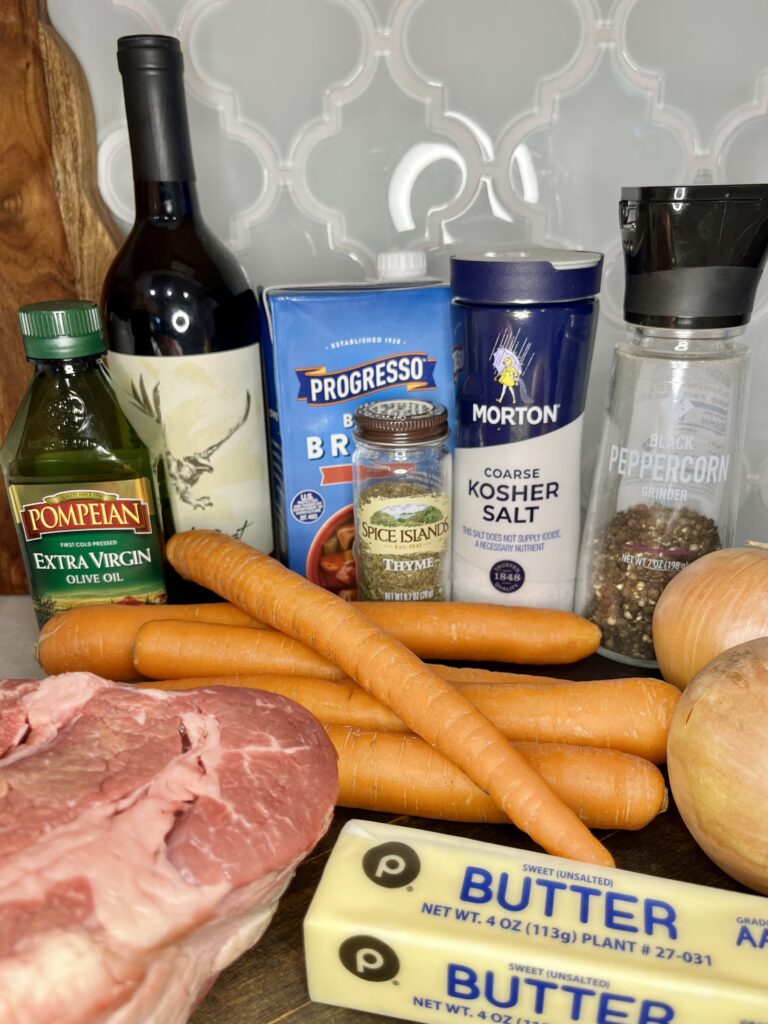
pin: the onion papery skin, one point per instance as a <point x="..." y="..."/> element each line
<point x="716" y="602"/>
<point x="717" y="759"/>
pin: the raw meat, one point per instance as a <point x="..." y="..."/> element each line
<point x="145" y="838"/>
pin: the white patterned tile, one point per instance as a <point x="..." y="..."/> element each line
<point x="91" y="28"/>
<point x="352" y="166"/>
<point x="491" y="77"/>
<point x="289" y="248"/>
<point x="288" y="52"/>
<point x="706" y="55"/>
<point x="601" y="139"/>
<point x="744" y="156"/>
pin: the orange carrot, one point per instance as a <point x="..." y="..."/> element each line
<point x="632" y="715"/>
<point x="457" y="631"/>
<point x="401" y="774"/>
<point x="428" y="705"/>
<point x="332" y="703"/>
<point x="99" y="638"/>
<point x="167" y="648"/>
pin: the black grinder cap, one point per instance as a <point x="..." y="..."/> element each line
<point x="693" y="254"/>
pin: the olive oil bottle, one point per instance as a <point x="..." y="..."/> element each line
<point x="79" y="479"/>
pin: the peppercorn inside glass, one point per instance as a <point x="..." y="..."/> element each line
<point x="632" y="561"/>
<point x="402" y="501"/>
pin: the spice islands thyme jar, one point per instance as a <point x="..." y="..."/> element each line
<point x="402" y="501"/>
<point x="666" y="484"/>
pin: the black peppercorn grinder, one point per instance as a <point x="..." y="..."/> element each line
<point x="666" y="483"/>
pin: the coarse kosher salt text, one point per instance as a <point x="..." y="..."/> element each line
<point x="512" y="502"/>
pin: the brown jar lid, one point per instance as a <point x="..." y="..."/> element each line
<point x="401" y="421"/>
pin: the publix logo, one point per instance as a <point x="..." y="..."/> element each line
<point x="369" y="958"/>
<point x="392" y="866"/>
<point x="320" y="386"/>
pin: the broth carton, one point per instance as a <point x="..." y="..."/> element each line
<point x="328" y="349"/>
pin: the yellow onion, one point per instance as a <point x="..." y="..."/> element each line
<point x="717" y="758"/>
<point x="716" y="602"/>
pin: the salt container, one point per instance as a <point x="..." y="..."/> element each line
<point x="523" y="331"/>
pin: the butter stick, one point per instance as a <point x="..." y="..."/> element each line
<point x="429" y="927"/>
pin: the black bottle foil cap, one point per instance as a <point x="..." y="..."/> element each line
<point x="693" y="254"/>
<point x="152" y="68"/>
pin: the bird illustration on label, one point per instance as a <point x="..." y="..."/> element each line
<point x="185" y="472"/>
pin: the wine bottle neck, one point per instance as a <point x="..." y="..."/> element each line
<point x="156" y="111"/>
<point x="165" y="200"/>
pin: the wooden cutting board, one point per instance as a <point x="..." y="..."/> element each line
<point x="56" y="236"/>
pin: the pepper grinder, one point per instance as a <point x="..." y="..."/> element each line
<point x="666" y="483"/>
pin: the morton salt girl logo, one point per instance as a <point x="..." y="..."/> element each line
<point x="84" y="510"/>
<point x="510" y="359"/>
<point x="320" y="386"/>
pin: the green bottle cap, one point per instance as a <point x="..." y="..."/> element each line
<point x="63" y="329"/>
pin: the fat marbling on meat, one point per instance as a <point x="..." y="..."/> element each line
<point x="145" y="838"/>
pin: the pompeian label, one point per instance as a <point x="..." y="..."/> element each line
<point x="89" y="545"/>
<point x="86" y="510"/>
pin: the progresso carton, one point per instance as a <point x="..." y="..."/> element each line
<point x="327" y="349"/>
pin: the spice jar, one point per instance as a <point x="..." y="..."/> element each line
<point x="666" y="484"/>
<point x="402" y="501"/>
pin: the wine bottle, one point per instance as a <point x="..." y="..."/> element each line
<point x="183" y="323"/>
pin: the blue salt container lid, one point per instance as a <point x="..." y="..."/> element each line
<point x="527" y="276"/>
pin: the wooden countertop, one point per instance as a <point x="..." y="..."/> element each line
<point x="267" y="985"/>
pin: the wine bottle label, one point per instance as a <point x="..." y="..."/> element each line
<point x="89" y="543"/>
<point x="202" y="417"/>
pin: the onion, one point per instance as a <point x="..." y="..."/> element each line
<point x="716" y="602"/>
<point x="717" y="758"/>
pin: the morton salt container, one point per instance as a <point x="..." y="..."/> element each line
<point x="666" y="483"/>
<point x="523" y="329"/>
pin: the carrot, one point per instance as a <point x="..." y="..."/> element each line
<point x="428" y="705"/>
<point x="631" y="715"/>
<point x="167" y="648"/>
<point x="458" y="631"/>
<point x="401" y="774"/>
<point x="99" y="638"/>
<point x="332" y="703"/>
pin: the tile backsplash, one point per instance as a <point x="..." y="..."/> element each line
<point x="325" y="131"/>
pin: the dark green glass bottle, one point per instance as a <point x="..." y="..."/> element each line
<point x="79" y="478"/>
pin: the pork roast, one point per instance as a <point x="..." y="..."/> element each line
<point x="145" y="838"/>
